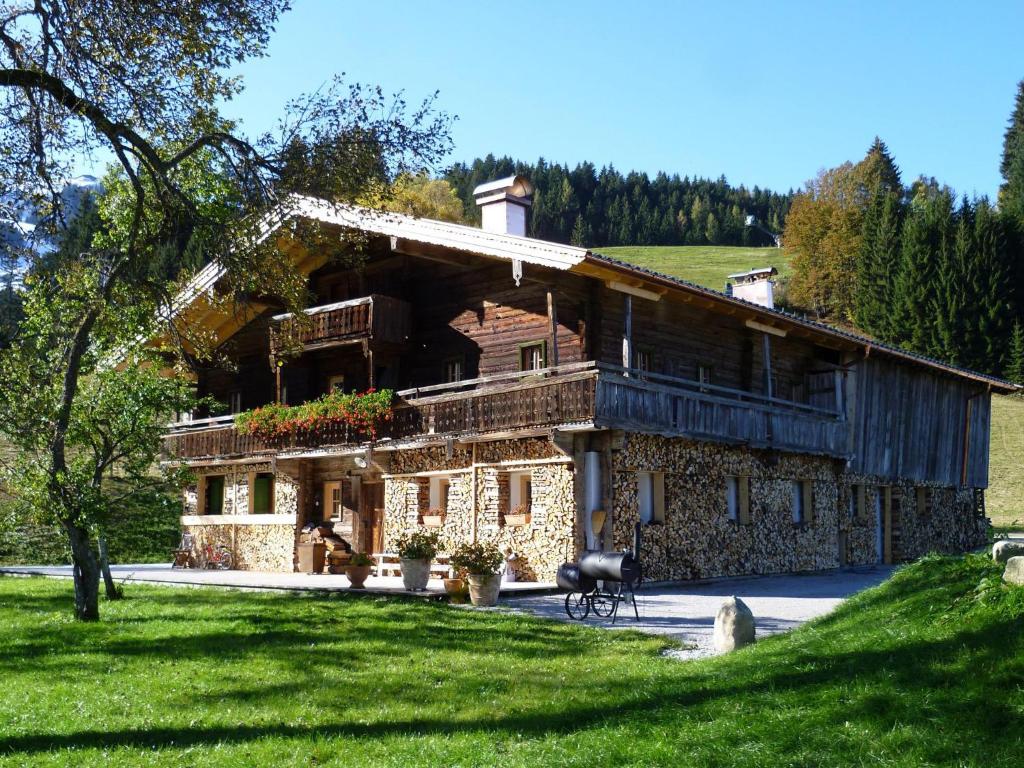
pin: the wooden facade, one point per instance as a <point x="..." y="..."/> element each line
<point x="553" y="369"/>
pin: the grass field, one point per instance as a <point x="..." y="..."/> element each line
<point x="705" y="265"/>
<point x="1005" y="497"/>
<point x="927" y="669"/>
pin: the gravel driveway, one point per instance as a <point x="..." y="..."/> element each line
<point x="687" y="612"/>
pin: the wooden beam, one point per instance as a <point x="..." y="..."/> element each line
<point x="765" y="328"/>
<point x="766" y="360"/>
<point x="553" y="328"/>
<point x="627" y="334"/>
<point x="635" y="290"/>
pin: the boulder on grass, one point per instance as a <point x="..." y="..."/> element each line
<point x="1004" y="549"/>
<point x="734" y="626"/>
<point x="1014" y="571"/>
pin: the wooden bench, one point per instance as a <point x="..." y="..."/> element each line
<point x="389" y="563"/>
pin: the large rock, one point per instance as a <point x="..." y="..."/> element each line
<point x="734" y="626"/>
<point x="1004" y="549"/>
<point x="1014" y="572"/>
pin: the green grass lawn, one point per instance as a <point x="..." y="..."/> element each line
<point x="1005" y="496"/>
<point x="927" y="669"/>
<point x="706" y="265"/>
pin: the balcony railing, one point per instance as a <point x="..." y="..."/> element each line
<point x="578" y="394"/>
<point x="373" y="318"/>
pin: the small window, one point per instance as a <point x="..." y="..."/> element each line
<point x="924" y="502"/>
<point x="651" y="497"/>
<point x="858" y="502"/>
<point x="520" y="490"/>
<point x="336" y="383"/>
<point x="803" y="502"/>
<point x="531" y="356"/>
<point x="454" y="369"/>
<point x="704" y="375"/>
<point x="737" y="497"/>
<point x="261" y="493"/>
<point x="439" y="493"/>
<point x="642" y="360"/>
<point x="235" y="402"/>
<point x="212" y="494"/>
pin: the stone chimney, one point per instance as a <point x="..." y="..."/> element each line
<point x="755" y="286"/>
<point x="503" y="204"/>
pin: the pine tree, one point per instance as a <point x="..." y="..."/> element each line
<point x="993" y="305"/>
<point x="1015" y="366"/>
<point x="878" y="170"/>
<point x="1011" y="193"/>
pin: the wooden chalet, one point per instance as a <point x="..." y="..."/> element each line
<point x="537" y="383"/>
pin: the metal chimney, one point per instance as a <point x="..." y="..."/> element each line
<point x="503" y="204"/>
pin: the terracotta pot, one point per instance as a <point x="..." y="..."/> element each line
<point x="483" y="589"/>
<point x="456" y="589"/>
<point x="357" y="575"/>
<point x="415" y="574"/>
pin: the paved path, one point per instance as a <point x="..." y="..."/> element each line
<point x="687" y="613"/>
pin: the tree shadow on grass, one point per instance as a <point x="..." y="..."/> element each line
<point x="948" y="674"/>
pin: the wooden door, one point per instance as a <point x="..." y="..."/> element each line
<point x="372" y="513"/>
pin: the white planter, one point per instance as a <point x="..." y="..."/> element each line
<point x="415" y="574"/>
<point x="483" y="590"/>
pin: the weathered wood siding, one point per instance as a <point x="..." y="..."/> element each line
<point x="911" y="423"/>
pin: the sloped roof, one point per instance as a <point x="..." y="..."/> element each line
<point x="459" y="237"/>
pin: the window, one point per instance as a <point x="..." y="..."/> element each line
<point x="520" y="490"/>
<point x="261" y="493"/>
<point x="439" y="493"/>
<point x="211" y="495"/>
<point x="858" y="502"/>
<point x="454" y="369"/>
<point x="924" y="502"/>
<point x="651" y="497"/>
<point x="803" y="502"/>
<point x="704" y="374"/>
<point x="737" y="498"/>
<point x="642" y="360"/>
<point x="235" y="402"/>
<point x="531" y="356"/>
<point x="336" y="383"/>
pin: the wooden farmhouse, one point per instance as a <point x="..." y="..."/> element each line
<point x="536" y="383"/>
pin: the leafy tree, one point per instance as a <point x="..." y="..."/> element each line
<point x="145" y="82"/>
<point x="420" y="195"/>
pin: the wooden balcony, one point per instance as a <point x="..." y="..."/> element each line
<point x="581" y="395"/>
<point x="380" y="319"/>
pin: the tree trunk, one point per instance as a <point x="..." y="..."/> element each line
<point x="113" y="591"/>
<point x="87" y="574"/>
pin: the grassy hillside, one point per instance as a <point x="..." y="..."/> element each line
<point x="927" y="669"/>
<point x="1005" y="497"/>
<point x="705" y="265"/>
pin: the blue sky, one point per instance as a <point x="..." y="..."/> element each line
<point x="764" y="93"/>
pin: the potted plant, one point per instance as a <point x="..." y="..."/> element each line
<point x="518" y="516"/>
<point x="358" y="569"/>
<point x="455" y="587"/>
<point x="483" y="564"/>
<point x="415" y="551"/>
<point x="433" y="518"/>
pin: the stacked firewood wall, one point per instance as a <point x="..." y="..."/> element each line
<point x="543" y="543"/>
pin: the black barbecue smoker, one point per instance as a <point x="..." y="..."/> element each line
<point x="600" y="581"/>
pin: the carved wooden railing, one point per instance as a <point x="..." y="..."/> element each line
<point x="582" y="393"/>
<point x="373" y="318"/>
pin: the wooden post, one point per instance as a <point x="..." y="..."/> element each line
<point x="766" y="364"/>
<point x="627" y="335"/>
<point x="553" y="329"/>
<point x="474" y="491"/>
<point x="277" y="381"/>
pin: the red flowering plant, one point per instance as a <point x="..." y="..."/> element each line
<point x="362" y="411"/>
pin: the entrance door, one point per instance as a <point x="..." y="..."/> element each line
<point x="372" y="513"/>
